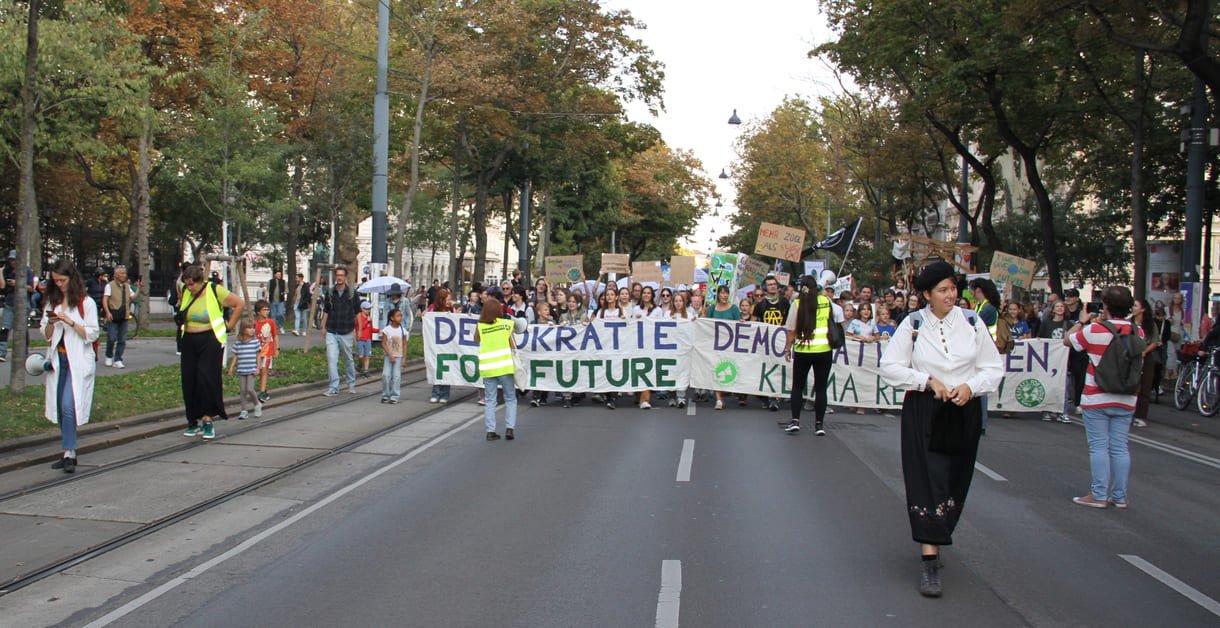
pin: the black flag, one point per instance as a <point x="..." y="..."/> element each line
<point x="838" y="242"/>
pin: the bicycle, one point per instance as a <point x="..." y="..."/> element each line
<point x="1209" y="387"/>
<point x="1191" y="368"/>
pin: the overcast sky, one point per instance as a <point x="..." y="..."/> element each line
<point x="721" y="55"/>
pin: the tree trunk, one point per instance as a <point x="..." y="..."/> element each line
<point x="29" y="203"/>
<point x="142" y="215"/>
<point x="404" y="216"/>
<point x="1139" y="218"/>
<point x="294" y="234"/>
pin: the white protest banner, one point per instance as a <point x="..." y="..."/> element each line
<point x="745" y="357"/>
<point x="813" y="268"/>
<point x="729" y="356"/>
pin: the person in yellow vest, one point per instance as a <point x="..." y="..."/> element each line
<point x="808" y="347"/>
<point x="116" y="301"/>
<point x="495" y="338"/>
<point x="204" y="331"/>
<point x="986" y="299"/>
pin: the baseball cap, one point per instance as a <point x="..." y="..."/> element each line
<point x="365" y="305"/>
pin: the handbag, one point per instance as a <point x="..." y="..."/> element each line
<point x="1175" y="336"/>
<point x="834" y="331"/>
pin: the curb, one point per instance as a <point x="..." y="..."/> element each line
<point x="133" y="424"/>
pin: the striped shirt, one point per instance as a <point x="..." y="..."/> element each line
<point x="1093" y="339"/>
<point x="247" y="356"/>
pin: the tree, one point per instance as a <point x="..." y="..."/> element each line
<point x="664" y="195"/>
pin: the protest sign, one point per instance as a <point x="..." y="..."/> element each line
<point x="783" y="279"/>
<point x="1011" y="269"/>
<point x="722" y="271"/>
<point x="843" y="285"/>
<point x="565" y="268"/>
<point x="682" y="269"/>
<point x="751" y="272"/>
<point x="813" y="268"/>
<point x="647" y="271"/>
<point x="618" y="263"/>
<point x="780" y="241"/>
<point x="728" y="356"/>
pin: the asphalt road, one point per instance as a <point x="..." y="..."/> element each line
<point x="589" y="519"/>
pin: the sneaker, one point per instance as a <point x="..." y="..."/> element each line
<point x="508" y="434"/>
<point x="352" y="390"/>
<point x="263" y="397"/>
<point x="644" y="405"/>
<point x="5" y="358"/>
<point x="819" y="429"/>
<point x="442" y="401"/>
<point x="330" y="393"/>
<point x="118" y="364"/>
<point x="493" y="436"/>
<point x="1063" y="418"/>
<point x="1048" y="416"/>
<point x="385" y="400"/>
<point x="673" y="402"/>
<point x="1119" y="505"/>
<point x="793" y="427"/>
<point x="830" y="410"/>
<point x="534" y="403"/>
<point x="59" y="464"/>
<point x="1089" y="501"/>
<point x="610" y="404"/>
<point x="599" y="398"/>
<point x="567" y="403"/>
<point x="69" y="465"/>
<point x="209" y="430"/>
<point x="929" y="581"/>
<point x="719" y="405"/>
<point x="243" y="416"/>
<point x="681" y="403"/>
<point x="482" y="402"/>
<point x="193" y="430"/>
<point x="393" y="401"/>
<point x="109" y="361"/>
<point x="1140" y="423"/>
<point x="773" y="405"/>
<point x="432" y="400"/>
<point x="258" y="411"/>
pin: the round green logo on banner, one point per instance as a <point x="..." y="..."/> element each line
<point x="1030" y="393"/>
<point x="726" y="373"/>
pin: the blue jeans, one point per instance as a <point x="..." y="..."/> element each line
<point x="67" y="404"/>
<point x="510" y="401"/>
<point x="116" y="339"/>
<point x="391" y="379"/>
<point x="1109" y="459"/>
<point x="302" y="314"/>
<point x="441" y="392"/>
<point x="336" y="343"/>
<point x="277" y="314"/>
<point x="6" y="323"/>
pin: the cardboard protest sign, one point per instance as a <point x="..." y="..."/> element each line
<point x="751" y="272"/>
<point x="647" y="271"/>
<point x="619" y="263"/>
<point x="1011" y="269"/>
<point x="783" y="279"/>
<point x="780" y="241"/>
<point x="565" y="268"/>
<point x="722" y="271"/>
<point x="682" y="269"/>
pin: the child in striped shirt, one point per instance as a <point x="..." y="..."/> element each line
<point x="245" y="361"/>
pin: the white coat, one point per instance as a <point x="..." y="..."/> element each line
<point x="81" y="358"/>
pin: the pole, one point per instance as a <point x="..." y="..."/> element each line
<point x="523" y="248"/>
<point x="381" y="134"/>
<point x="1197" y="165"/>
<point x="963" y="222"/>
<point x="456" y="278"/>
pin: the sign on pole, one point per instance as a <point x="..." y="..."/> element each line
<point x="780" y="241"/>
<point x="1013" y="270"/>
<point x="565" y="268"/>
<point x="617" y="263"/>
<point x="647" y="271"/>
<point x="682" y="269"/>
<point x="750" y="272"/>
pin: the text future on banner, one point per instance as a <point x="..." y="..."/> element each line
<point x="780" y="242"/>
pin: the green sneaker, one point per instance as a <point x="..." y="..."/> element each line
<point x="209" y="432"/>
<point x="193" y="430"/>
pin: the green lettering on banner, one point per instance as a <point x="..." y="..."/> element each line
<point x="469" y="366"/>
<point x="564" y="381"/>
<point x="536" y="373"/>
<point x="881" y="396"/>
<point x="639" y="372"/>
<point x="591" y="367"/>
<point x="663" y="378"/>
<point x="764" y="380"/>
<point x="850" y="385"/>
<point x="441" y="367"/>
<point x="610" y="373"/>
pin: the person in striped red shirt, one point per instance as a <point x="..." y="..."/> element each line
<point x="1107" y="416"/>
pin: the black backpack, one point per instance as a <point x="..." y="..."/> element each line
<point x="1121" y="366"/>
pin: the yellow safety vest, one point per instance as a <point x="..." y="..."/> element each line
<point x="216" y="313"/>
<point x="495" y="349"/>
<point x="992" y="328"/>
<point x="820" y="343"/>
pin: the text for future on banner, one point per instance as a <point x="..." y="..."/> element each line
<point x="729" y="356"/>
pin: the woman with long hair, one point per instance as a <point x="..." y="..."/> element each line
<point x="495" y="337"/>
<point x="204" y="333"/>
<point x="808" y="347"/>
<point x="1141" y="315"/>
<point x="614" y="307"/>
<point x="723" y="309"/>
<point x="441" y="303"/>
<point x="1177" y="329"/>
<point x="647" y="307"/>
<point x="70" y="326"/>
<point x="944" y="363"/>
<point x="1055" y="328"/>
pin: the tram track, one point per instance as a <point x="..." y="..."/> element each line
<point x="166" y="521"/>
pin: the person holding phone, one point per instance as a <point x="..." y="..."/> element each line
<point x="70" y="326"/>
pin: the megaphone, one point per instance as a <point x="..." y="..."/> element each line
<point x="519" y="325"/>
<point x="38" y="364"/>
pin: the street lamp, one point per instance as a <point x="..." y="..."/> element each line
<point x="733" y="119"/>
<point x="1110" y="247"/>
<point x="716" y="212"/>
<point x="723" y="174"/>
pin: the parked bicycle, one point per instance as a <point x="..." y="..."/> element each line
<point x="1192" y="366"/>
<point x="1209" y="385"/>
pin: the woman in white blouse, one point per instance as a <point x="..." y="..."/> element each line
<point x="943" y="356"/>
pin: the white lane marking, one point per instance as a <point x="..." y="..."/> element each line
<point x="685" y="460"/>
<point x="669" y="600"/>
<point x="139" y="602"/>
<point x="1177" y="451"/>
<point x="1191" y="593"/>
<point x="989" y="473"/>
<point x="690" y="409"/>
